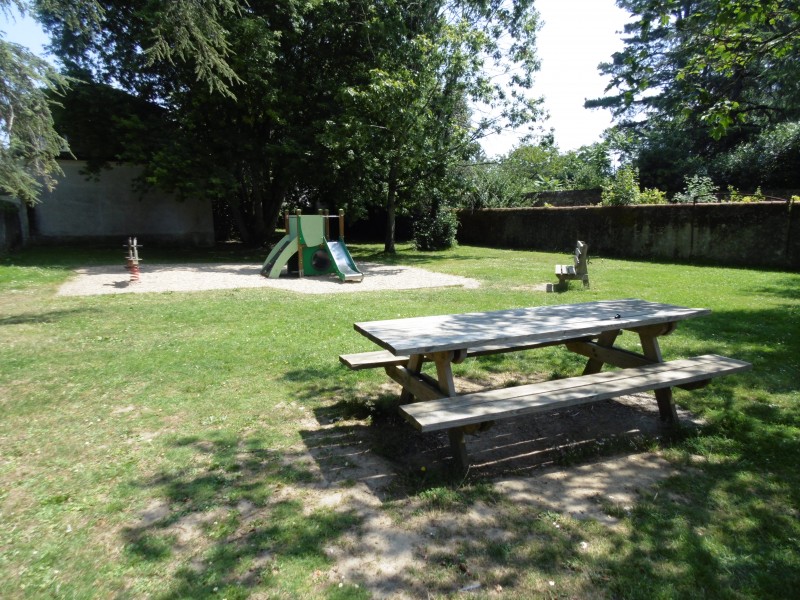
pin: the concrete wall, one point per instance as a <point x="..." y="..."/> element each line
<point x="757" y="234"/>
<point x="108" y="209"/>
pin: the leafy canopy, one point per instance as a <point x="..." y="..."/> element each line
<point x="187" y="31"/>
<point x="344" y="103"/>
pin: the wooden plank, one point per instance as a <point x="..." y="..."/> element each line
<point x="611" y="356"/>
<point x="370" y="360"/>
<point x="414" y="368"/>
<point x="383" y="358"/>
<point x="423" y="335"/>
<point x="509" y="402"/>
<point x="651" y="350"/>
<point x="606" y="339"/>
<point x="413" y="384"/>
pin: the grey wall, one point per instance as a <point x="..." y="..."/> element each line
<point x="109" y="209"/>
<point x="757" y="234"/>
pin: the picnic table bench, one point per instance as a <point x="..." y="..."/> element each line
<point x="589" y="329"/>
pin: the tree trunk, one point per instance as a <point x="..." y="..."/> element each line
<point x="391" y="210"/>
<point x="272" y="208"/>
<point x="260" y="231"/>
<point x="241" y="222"/>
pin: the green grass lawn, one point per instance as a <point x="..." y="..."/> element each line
<point x="156" y="445"/>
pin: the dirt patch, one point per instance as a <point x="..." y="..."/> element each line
<point x="90" y="281"/>
<point x="364" y="463"/>
<point x="367" y="465"/>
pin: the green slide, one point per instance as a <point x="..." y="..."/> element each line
<point x="342" y="262"/>
<point x="279" y="256"/>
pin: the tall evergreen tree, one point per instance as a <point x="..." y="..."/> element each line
<point x="187" y="31"/>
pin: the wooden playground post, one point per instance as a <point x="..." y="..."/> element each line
<point x="341" y="224"/>
<point x="327" y="221"/>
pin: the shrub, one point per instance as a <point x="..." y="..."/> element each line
<point x="436" y="230"/>
<point x="623" y="188"/>
<point x="699" y="188"/>
<point x="757" y="196"/>
<point x="653" y="196"/>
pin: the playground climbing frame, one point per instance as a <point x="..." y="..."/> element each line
<point x="308" y="248"/>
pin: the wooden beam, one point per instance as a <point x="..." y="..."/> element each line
<point x="609" y="355"/>
<point x="414" y="384"/>
<point x="606" y="340"/>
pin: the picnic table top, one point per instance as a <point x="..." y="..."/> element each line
<point x="422" y="335"/>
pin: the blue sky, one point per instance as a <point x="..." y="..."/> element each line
<point x="576" y="36"/>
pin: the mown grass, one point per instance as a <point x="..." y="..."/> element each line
<point x="156" y="445"/>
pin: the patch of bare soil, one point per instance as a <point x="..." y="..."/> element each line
<point x="371" y="465"/>
<point x="364" y="462"/>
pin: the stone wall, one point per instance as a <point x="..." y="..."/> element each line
<point x="758" y="234"/>
<point x="566" y="198"/>
<point x="107" y="208"/>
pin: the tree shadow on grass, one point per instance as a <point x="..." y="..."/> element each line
<point x="407" y="460"/>
<point x="232" y="523"/>
<point x="724" y="529"/>
<point x="50" y="316"/>
<point x="767" y="338"/>
<point x="728" y="527"/>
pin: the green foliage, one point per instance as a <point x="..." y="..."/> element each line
<point x="435" y="230"/>
<point x="699" y="188"/>
<point x="623" y="188"/>
<point x="407" y="128"/>
<point x="735" y="196"/>
<point x="29" y="144"/>
<point x="181" y="32"/>
<point x="344" y="103"/>
<point x="492" y="185"/>
<point x="700" y="82"/>
<point x="652" y="196"/>
<point x="769" y="158"/>
<point x="715" y="64"/>
<point x="515" y="179"/>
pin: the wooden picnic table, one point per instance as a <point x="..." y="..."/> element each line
<point x="589" y="329"/>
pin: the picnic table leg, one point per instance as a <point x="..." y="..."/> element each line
<point x="459" y="448"/>
<point x="415" y="367"/>
<point x="444" y="374"/>
<point x="666" y="407"/>
<point x="606" y="339"/>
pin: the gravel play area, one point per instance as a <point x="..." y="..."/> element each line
<point x="90" y="281"/>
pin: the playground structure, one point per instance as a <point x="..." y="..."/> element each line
<point x="308" y="250"/>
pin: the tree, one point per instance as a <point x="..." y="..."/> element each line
<point x="718" y="64"/>
<point x="29" y="144"/>
<point x="406" y="128"/>
<point x="517" y="177"/>
<point x="339" y="102"/>
<point x="697" y="78"/>
<point x="188" y="31"/>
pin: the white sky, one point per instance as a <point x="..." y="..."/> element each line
<point x="575" y="37"/>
